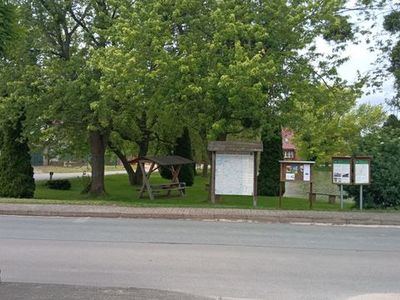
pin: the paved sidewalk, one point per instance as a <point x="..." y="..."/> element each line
<point x="256" y="215"/>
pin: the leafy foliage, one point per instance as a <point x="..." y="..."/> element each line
<point x="7" y="17"/>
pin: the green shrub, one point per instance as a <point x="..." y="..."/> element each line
<point x="59" y="184"/>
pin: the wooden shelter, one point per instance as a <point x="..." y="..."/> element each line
<point x="172" y="162"/>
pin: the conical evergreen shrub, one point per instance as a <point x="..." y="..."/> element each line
<point x="268" y="179"/>
<point x="16" y="172"/>
<point x="183" y="147"/>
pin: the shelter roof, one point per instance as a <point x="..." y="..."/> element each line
<point x="167" y="160"/>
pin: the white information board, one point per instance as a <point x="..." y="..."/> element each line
<point x="341" y="171"/>
<point x="234" y="174"/>
<point x="361" y="171"/>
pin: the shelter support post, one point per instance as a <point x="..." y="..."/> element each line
<point x="146" y="183"/>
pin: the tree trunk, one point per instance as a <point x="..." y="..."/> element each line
<point x="143" y="148"/>
<point x="205" y="169"/>
<point x="125" y="163"/>
<point x="97" y="143"/>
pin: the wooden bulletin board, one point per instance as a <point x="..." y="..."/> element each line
<point x="296" y="170"/>
<point x="234" y="168"/>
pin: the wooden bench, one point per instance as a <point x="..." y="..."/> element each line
<point x="331" y="197"/>
<point x="168" y="187"/>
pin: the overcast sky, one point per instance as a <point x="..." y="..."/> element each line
<point x="362" y="60"/>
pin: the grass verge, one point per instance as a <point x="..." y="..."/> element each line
<point x="120" y="193"/>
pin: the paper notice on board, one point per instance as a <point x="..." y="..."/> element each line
<point x="361" y="171"/>
<point x="290" y="176"/>
<point x="306" y="173"/>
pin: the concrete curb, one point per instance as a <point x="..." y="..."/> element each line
<point x="249" y="215"/>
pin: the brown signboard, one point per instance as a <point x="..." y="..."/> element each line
<point x="296" y="170"/>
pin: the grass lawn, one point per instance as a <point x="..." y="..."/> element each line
<point x="121" y="194"/>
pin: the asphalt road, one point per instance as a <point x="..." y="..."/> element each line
<point x="214" y="259"/>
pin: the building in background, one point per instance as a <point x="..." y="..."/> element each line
<point x="289" y="148"/>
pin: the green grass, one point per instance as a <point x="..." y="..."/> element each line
<point x="121" y="194"/>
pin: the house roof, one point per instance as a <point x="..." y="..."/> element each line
<point x="287" y="137"/>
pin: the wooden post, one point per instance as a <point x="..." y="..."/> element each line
<point x="310" y="195"/>
<point x="212" y="179"/>
<point x="146" y="182"/>
<point x="281" y="183"/>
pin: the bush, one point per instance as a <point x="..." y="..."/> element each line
<point x="59" y="184"/>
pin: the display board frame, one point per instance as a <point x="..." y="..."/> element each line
<point x="299" y="170"/>
<point x="362" y="161"/>
<point x="336" y="162"/>
<point x="232" y="149"/>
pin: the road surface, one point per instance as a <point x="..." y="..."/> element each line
<point x="221" y="260"/>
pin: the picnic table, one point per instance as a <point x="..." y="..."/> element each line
<point x="173" y="163"/>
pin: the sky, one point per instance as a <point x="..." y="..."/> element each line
<point x="363" y="60"/>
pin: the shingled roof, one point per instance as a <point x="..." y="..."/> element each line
<point x="168" y="160"/>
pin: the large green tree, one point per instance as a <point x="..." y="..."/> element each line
<point x="327" y="122"/>
<point x="392" y="25"/>
<point x="70" y="98"/>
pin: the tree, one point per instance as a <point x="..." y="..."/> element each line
<point x="384" y="147"/>
<point x="327" y="122"/>
<point x="392" y="25"/>
<point x="268" y="179"/>
<point x="16" y="172"/>
<point x="70" y="98"/>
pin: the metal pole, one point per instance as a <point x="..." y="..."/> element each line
<point x="341" y="196"/>
<point x="361" y="197"/>
<point x="255" y="181"/>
